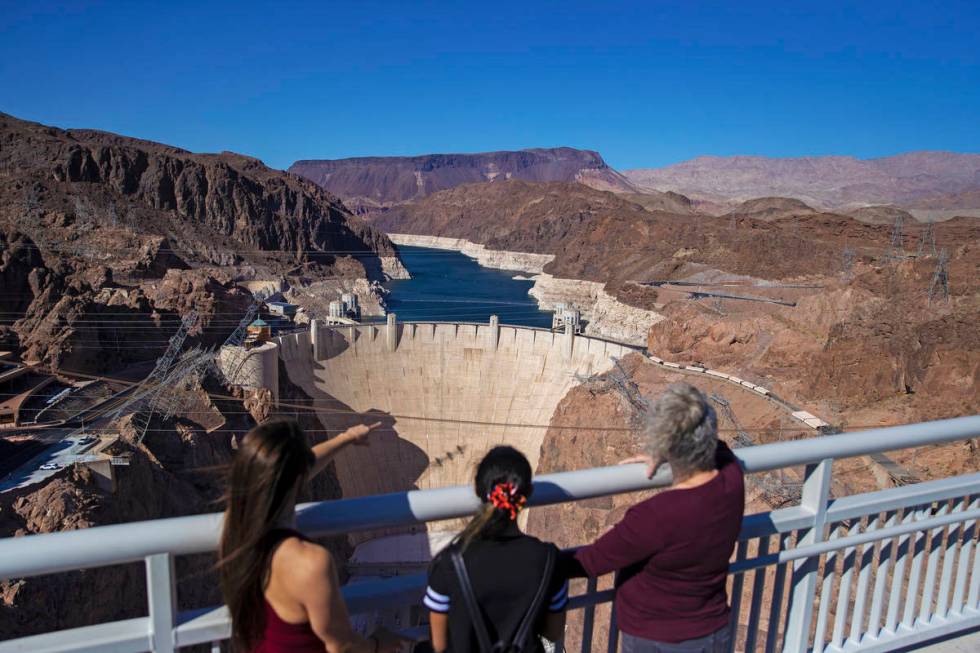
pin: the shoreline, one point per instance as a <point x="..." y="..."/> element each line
<point x="606" y="316"/>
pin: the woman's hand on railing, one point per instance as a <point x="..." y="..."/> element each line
<point x="651" y="463"/>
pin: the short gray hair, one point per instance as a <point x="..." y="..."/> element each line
<point x="681" y="428"/>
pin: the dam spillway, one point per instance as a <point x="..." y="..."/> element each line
<point x="452" y="391"/>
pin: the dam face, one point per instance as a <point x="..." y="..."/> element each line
<point x="442" y="388"/>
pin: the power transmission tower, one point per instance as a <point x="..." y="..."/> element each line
<point x="940" y="279"/>
<point x="618" y="381"/>
<point x="173" y="393"/>
<point x="927" y="242"/>
<point x="235" y="342"/>
<point x="847" y="261"/>
<point x="897" y="252"/>
<point x="776" y="490"/>
<point x="145" y="397"/>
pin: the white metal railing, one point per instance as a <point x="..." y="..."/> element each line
<point x="874" y="571"/>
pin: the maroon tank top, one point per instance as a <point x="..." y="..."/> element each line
<point x="281" y="636"/>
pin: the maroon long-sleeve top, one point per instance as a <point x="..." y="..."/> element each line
<point x="673" y="550"/>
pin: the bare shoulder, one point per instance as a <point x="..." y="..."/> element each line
<point x="301" y="560"/>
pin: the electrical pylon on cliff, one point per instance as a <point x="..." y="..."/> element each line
<point x="141" y="401"/>
<point x="776" y="489"/>
<point x="897" y="251"/>
<point x="174" y="393"/>
<point x="927" y="242"/>
<point x="618" y="381"/>
<point x="235" y="342"/>
<point x="940" y="279"/>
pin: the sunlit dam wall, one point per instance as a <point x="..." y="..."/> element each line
<point x="444" y="385"/>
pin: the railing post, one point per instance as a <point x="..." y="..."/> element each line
<point x="588" y="618"/>
<point x="816" y="491"/>
<point x="162" y="595"/>
<point x="613" y="646"/>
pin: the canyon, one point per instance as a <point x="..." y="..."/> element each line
<point x="811" y="303"/>
<point x="829" y="339"/>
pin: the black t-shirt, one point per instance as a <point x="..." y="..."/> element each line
<point x="505" y="572"/>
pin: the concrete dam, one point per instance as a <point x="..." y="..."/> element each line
<point x="443" y="388"/>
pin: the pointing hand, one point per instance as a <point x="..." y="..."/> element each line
<point x="358" y="434"/>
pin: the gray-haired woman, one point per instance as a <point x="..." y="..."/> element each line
<point x="673" y="549"/>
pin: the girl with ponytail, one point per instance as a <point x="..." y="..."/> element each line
<point x="493" y="587"/>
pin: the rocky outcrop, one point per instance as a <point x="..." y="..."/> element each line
<point x="221" y="209"/>
<point x="101" y="230"/>
<point x="771" y="208"/>
<point x="606" y="316"/>
<point x="371" y="183"/>
<point x="859" y="351"/>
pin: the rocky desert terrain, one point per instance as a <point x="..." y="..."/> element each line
<point x="96" y="226"/>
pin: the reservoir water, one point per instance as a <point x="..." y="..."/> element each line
<point x="449" y="286"/>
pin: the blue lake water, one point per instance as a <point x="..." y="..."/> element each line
<point x="448" y="286"/>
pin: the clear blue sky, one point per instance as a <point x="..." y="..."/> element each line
<point x="645" y="83"/>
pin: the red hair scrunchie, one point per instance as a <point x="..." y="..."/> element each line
<point x="505" y="497"/>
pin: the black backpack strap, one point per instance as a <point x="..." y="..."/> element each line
<point x="469" y="598"/>
<point x="530" y="618"/>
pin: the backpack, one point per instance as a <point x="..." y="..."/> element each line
<point x="520" y="637"/>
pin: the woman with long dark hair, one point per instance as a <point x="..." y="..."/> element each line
<point x="493" y="584"/>
<point x="281" y="589"/>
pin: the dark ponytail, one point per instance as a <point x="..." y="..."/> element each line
<point x="503" y="484"/>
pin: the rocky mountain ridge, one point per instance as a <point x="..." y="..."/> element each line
<point x="98" y="227"/>
<point x="372" y="183"/>
<point x="923" y="179"/>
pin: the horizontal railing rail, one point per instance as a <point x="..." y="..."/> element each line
<point x="898" y="524"/>
<point x="56" y="552"/>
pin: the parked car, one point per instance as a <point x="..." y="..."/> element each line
<point x="48" y="466"/>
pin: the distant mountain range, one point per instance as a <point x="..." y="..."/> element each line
<point x="927" y="182"/>
<point x="924" y="180"/>
<point x="369" y="183"/>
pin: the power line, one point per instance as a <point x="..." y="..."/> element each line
<point x="420" y="418"/>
